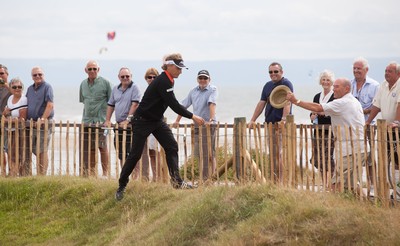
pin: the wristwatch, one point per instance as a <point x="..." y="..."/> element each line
<point x="129" y="117"/>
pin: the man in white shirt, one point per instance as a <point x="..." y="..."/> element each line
<point x="345" y="111"/>
<point x="387" y="101"/>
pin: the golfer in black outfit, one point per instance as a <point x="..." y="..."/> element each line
<point x="148" y="118"/>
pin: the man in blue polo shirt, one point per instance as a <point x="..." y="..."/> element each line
<point x="40" y="108"/>
<point x="124" y="100"/>
<point x="272" y="114"/>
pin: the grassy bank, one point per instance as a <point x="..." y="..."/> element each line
<point x="75" y="211"/>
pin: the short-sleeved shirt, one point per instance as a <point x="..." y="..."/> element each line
<point x="122" y="100"/>
<point x="38" y="97"/>
<point x="15" y="107"/>
<point x="386" y="99"/>
<point x="200" y="99"/>
<point x="346" y="112"/>
<point x="272" y="114"/>
<point x="366" y="94"/>
<point x="94" y="98"/>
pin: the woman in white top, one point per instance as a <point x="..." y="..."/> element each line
<point x="16" y="108"/>
<point x="326" y="165"/>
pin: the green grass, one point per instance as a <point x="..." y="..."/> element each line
<point x="78" y="211"/>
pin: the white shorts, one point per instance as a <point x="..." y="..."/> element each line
<point x="152" y="142"/>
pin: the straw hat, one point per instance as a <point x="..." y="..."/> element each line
<point x="278" y="96"/>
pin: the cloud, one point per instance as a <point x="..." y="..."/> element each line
<point x="202" y="30"/>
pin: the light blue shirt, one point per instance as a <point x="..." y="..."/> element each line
<point x="366" y="94"/>
<point x="122" y="100"/>
<point x="38" y="97"/>
<point x="200" y="100"/>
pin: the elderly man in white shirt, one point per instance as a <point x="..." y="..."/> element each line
<point x="345" y="111"/>
<point x="387" y="101"/>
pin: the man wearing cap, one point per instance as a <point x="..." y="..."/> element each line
<point x="203" y="98"/>
<point x="149" y="117"/>
<point x="273" y="114"/>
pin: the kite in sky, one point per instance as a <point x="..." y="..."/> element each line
<point x="111" y="35"/>
<point x="102" y="50"/>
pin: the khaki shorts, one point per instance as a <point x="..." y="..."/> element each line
<point x="348" y="166"/>
<point x="92" y="138"/>
<point x="42" y="136"/>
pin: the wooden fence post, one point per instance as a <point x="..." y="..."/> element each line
<point x="383" y="186"/>
<point x="291" y="150"/>
<point x="239" y="130"/>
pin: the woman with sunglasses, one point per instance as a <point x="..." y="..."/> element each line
<point x="16" y="108"/>
<point x="150" y="150"/>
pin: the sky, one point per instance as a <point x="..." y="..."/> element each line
<point x="201" y="30"/>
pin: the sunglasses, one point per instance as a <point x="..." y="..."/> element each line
<point x="37" y="75"/>
<point x="92" y="68"/>
<point x="202" y="78"/>
<point x="1" y="73"/>
<point x="151" y="77"/>
<point x="275" y="71"/>
<point x="125" y="76"/>
<point x="16" y="87"/>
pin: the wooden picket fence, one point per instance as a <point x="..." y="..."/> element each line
<point x="242" y="155"/>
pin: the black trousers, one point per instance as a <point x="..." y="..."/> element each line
<point x="141" y="130"/>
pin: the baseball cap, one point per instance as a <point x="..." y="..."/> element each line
<point x="203" y="73"/>
<point x="177" y="62"/>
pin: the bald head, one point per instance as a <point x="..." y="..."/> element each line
<point x="341" y="87"/>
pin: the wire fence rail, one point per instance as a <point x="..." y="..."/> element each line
<point x="285" y="154"/>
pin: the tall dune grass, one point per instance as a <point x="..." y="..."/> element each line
<point x="78" y="211"/>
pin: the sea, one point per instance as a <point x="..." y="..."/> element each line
<point x="239" y="82"/>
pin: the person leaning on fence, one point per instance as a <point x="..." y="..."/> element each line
<point x="272" y="114"/>
<point x="124" y="100"/>
<point x="345" y="111"/>
<point x="327" y="163"/>
<point x="5" y="93"/>
<point x="203" y="98"/>
<point x="94" y="93"/>
<point x="40" y="108"/>
<point x="387" y="102"/>
<point x="149" y="118"/>
<point x="16" y="109"/>
<point x="364" y="89"/>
